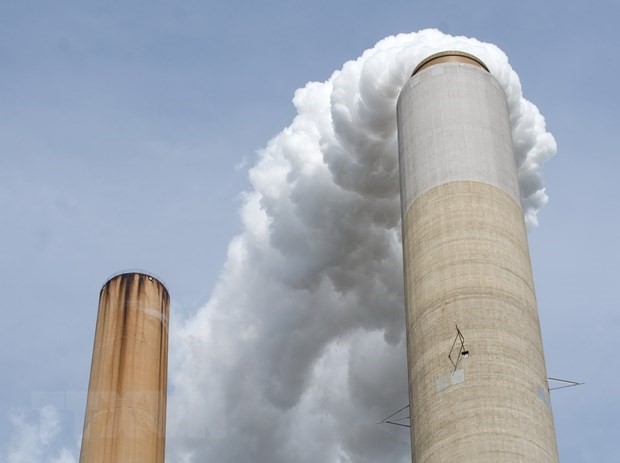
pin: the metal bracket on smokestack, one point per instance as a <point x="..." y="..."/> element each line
<point x="396" y="420"/>
<point x="458" y="350"/>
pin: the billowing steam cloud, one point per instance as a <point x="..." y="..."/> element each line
<point x="300" y="350"/>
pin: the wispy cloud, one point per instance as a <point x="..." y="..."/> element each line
<point x="34" y="439"/>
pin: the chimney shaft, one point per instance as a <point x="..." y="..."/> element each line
<point x="477" y="377"/>
<point x="126" y="408"/>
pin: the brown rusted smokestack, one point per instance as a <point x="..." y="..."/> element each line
<point x="126" y="409"/>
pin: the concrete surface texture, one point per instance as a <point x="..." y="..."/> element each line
<point x="126" y="408"/>
<point x="477" y="376"/>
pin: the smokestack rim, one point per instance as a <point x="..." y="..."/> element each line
<point x="457" y="56"/>
<point x="145" y="273"/>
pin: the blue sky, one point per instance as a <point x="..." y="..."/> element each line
<point x="126" y="132"/>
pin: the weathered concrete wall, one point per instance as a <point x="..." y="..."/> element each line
<point x="126" y="409"/>
<point x="467" y="264"/>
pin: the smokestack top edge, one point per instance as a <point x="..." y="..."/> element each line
<point x="450" y="56"/>
<point x="149" y="275"/>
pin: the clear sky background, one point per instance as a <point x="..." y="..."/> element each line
<point x="126" y="132"/>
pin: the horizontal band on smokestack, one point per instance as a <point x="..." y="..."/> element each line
<point x="451" y="56"/>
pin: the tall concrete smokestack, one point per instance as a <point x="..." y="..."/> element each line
<point x="477" y="377"/>
<point x="126" y="408"/>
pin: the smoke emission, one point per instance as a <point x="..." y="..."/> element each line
<point x="301" y="348"/>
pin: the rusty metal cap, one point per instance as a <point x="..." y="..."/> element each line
<point x="451" y="56"/>
<point x="135" y="271"/>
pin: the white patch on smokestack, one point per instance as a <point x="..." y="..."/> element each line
<point x="300" y="350"/>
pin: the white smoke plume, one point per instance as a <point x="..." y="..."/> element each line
<point x="300" y="350"/>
